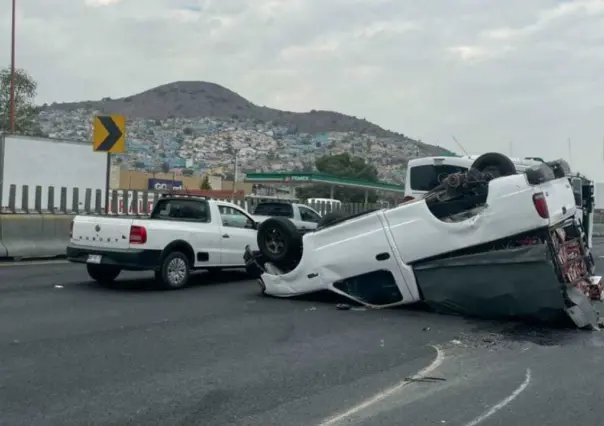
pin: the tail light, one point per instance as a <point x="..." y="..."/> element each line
<point x="71" y="229"/>
<point x="138" y="234"/>
<point x="407" y="198"/>
<point x="541" y="205"/>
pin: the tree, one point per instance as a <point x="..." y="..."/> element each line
<point x="187" y="172"/>
<point x="343" y="166"/>
<point x="26" y="112"/>
<point x="205" y="183"/>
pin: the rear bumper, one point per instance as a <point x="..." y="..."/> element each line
<point x="134" y="260"/>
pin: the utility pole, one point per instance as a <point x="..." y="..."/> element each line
<point x="235" y="176"/>
<point x="12" y="72"/>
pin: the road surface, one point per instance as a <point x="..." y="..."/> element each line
<point x="219" y="354"/>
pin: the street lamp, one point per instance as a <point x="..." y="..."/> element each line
<point x="12" y="73"/>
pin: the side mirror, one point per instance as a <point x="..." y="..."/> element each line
<point x="250" y="224"/>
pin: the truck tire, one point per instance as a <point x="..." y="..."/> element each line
<point x="330" y="218"/>
<point x="103" y="274"/>
<point x="539" y="174"/>
<point x="279" y="240"/>
<point x="174" y="271"/>
<point x="498" y="164"/>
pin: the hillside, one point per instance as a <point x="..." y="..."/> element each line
<point x="194" y="99"/>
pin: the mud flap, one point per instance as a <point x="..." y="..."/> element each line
<point x="511" y="283"/>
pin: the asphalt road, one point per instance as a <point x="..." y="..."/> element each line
<point x="219" y="354"/>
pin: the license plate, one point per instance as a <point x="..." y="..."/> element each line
<point x="94" y="258"/>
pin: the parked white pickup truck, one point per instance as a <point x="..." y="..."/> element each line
<point x="180" y="235"/>
<point x="489" y="242"/>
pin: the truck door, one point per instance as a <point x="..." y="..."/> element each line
<point x="237" y="231"/>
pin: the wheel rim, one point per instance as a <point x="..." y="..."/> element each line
<point x="177" y="270"/>
<point x="274" y="242"/>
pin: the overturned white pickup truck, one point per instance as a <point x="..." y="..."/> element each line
<point x="488" y="242"/>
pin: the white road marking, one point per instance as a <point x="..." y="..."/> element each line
<point x="440" y="356"/>
<point x="495" y="408"/>
<point x="32" y="263"/>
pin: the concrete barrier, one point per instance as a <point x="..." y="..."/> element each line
<point x="3" y="251"/>
<point x="34" y="235"/>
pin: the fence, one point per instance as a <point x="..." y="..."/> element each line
<point x="121" y="202"/>
<point x="36" y="222"/>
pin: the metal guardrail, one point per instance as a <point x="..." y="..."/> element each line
<point x="52" y="200"/>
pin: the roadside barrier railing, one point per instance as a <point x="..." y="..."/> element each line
<point x="35" y="222"/>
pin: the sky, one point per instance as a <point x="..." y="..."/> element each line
<point x="522" y="77"/>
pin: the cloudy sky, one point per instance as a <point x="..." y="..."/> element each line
<point x="517" y="76"/>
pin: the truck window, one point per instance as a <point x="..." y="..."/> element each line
<point x="235" y="218"/>
<point x="428" y="177"/>
<point x="182" y="210"/>
<point x="274" y="209"/>
<point x="307" y="215"/>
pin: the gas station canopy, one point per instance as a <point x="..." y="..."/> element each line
<point x="306" y="178"/>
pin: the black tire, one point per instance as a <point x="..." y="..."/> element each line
<point x="103" y="274"/>
<point x="497" y="164"/>
<point x="330" y="218"/>
<point x="539" y="174"/>
<point x="174" y="271"/>
<point x="560" y="168"/>
<point x="279" y="240"/>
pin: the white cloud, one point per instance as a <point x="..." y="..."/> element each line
<point x="96" y="3"/>
<point x="488" y="72"/>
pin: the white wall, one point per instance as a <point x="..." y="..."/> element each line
<point x="50" y="162"/>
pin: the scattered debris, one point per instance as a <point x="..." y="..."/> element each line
<point x="343" y="306"/>
<point x="58" y="286"/>
<point x="425" y="379"/>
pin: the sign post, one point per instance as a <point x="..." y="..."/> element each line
<point x="108" y="135"/>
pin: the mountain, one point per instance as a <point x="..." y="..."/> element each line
<point x="193" y="99"/>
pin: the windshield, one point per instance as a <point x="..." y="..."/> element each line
<point x="274" y="209"/>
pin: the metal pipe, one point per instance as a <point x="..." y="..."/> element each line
<point x="12" y="72"/>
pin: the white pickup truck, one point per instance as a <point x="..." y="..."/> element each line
<point x="180" y="235"/>
<point x="488" y="242"/>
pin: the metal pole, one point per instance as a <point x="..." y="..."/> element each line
<point x="12" y="73"/>
<point x="107" y="182"/>
<point x="235" y="175"/>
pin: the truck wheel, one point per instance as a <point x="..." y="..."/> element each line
<point x="330" y="218"/>
<point x="174" y="271"/>
<point x="539" y="174"/>
<point x="497" y="164"/>
<point x="103" y="274"/>
<point x="279" y="240"/>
